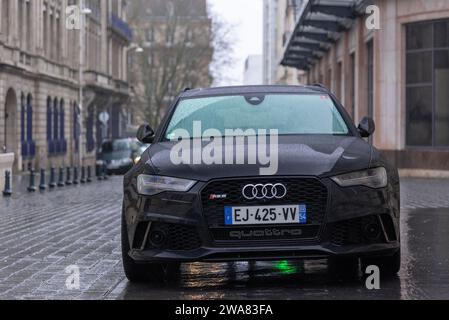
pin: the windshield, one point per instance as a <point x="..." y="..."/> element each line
<point x="288" y="113"/>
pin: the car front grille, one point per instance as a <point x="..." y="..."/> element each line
<point x="309" y="191"/>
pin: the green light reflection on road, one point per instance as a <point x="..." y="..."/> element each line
<point x="285" y="267"/>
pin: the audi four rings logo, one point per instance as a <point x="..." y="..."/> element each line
<point x="264" y="191"/>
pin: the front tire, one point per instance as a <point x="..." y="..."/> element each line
<point x="148" y="272"/>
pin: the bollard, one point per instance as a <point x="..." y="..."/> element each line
<point x="98" y="169"/>
<point x="32" y="186"/>
<point x="42" y="184"/>
<point x="61" y="177"/>
<point x="104" y="172"/>
<point x="75" y="176"/>
<point x="83" y="175"/>
<point x="89" y="175"/>
<point x="53" y="183"/>
<point x="68" y="180"/>
<point x="7" y="191"/>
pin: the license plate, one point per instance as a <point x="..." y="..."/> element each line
<point x="289" y="214"/>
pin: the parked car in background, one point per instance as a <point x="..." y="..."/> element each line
<point x="119" y="155"/>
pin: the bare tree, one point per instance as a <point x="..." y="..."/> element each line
<point x="223" y="40"/>
<point x="179" y="50"/>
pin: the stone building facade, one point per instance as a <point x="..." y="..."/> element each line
<point x="39" y="80"/>
<point x="397" y="74"/>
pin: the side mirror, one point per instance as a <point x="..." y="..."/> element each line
<point x="366" y="127"/>
<point x="145" y="134"/>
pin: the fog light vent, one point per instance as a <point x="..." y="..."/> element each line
<point x="371" y="231"/>
<point x="157" y="238"/>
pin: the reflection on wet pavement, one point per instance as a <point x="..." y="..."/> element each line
<point x="424" y="273"/>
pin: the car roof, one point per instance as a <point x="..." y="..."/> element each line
<point x="238" y="90"/>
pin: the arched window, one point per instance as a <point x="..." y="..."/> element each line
<point x="29" y="118"/>
<point x="26" y="125"/>
<point x="90" y="130"/>
<point x="30" y="142"/>
<point x="62" y="127"/>
<point x="49" y="120"/>
<point x="55" y="119"/>
<point x="22" y="118"/>
<point x="23" y="126"/>
<point x="61" y="120"/>
<point x="76" y="130"/>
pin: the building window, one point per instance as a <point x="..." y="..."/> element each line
<point x="62" y="141"/>
<point x="29" y="118"/>
<point x="189" y="35"/>
<point x="352" y="83"/>
<point x="76" y="129"/>
<point x="55" y="119"/>
<point x="58" y="36"/>
<point x="26" y="126"/>
<point x="49" y="118"/>
<point x="150" y="35"/>
<point x="22" y="119"/>
<point x="90" y="141"/>
<point x="51" y="146"/>
<point x="61" y="121"/>
<point x="45" y="29"/>
<point x="338" y="78"/>
<point x="5" y="17"/>
<point x="169" y="36"/>
<point x="20" y="8"/>
<point x="56" y="126"/>
<point x="370" y="77"/>
<point x="427" y="76"/>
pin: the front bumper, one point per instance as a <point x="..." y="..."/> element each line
<point x="207" y="254"/>
<point x="341" y="230"/>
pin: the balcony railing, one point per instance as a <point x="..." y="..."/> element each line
<point x="120" y="27"/>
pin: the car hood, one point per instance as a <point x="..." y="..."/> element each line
<point x="298" y="155"/>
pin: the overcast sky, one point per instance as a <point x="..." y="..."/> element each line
<point x="246" y="16"/>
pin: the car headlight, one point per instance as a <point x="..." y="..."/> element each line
<point x="151" y="185"/>
<point x="374" y="178"/>
<point x="137" y="159"/>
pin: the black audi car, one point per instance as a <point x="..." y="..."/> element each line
<point x="325" y="193"/>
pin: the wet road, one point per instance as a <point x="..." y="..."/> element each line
<point x="42" y="234"/>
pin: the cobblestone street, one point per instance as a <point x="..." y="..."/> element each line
<point x="42" y="234"/>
